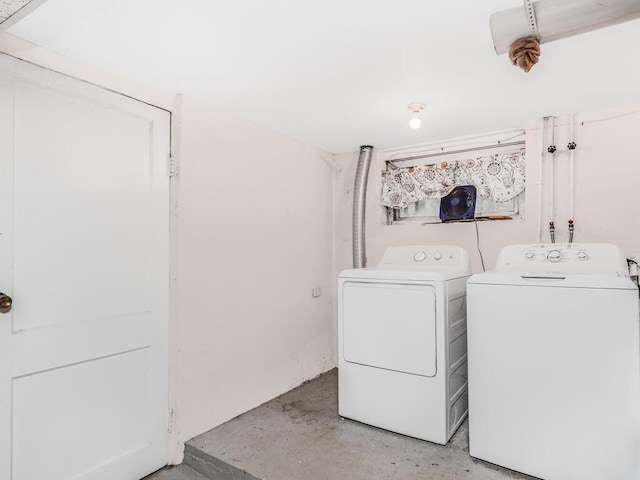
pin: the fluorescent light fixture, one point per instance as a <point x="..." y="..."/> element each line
<point x="549" y="20"/>
<point x="12" y="11"/>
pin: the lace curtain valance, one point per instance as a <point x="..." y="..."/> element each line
<point x="500" y="176"/>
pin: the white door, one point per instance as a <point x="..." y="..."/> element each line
<point x="84" y="254"/>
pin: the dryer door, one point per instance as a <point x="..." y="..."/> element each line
<point x="390" y="326"/>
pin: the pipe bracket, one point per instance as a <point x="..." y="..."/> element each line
<point x="531" y="18"/>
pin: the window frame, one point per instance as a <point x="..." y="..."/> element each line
<point x="451" y="151"/>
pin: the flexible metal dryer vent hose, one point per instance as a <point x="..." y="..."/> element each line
<point x="359" y="205"/>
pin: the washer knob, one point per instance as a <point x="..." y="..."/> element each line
<point x="554" y="256"/>
<point x="529" y="255"/>
<point x="420" y="256"/>
<point x="437" y="255"/>
<point x="583" y="256"/>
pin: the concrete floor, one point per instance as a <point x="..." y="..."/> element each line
<point x="299" y="435"/>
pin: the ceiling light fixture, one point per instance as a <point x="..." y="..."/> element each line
<point x="416" y="108"/>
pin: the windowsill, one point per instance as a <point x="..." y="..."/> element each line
<point x="423" y="221"/>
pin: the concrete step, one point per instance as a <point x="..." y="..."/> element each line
<point x="211" y="467"/>
<point x="180" y="472"/>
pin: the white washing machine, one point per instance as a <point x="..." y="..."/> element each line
<point x="554" y="363"/>
<point x="402" y="339"/>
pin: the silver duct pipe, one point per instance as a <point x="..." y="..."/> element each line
<point x="359" y="204"/>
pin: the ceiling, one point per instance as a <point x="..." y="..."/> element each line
<point x="338" y="74"/>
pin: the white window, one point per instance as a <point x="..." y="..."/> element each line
<point x="418" y="177"/>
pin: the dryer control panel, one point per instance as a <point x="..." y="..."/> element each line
<point x="426" y="257"/>
<point x="563" y="258"/>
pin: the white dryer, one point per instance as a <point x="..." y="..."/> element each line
<point x="554" y="363"/>
<point x="402" y="362"/>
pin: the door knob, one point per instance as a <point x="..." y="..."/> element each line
<point x="5" y="302"/>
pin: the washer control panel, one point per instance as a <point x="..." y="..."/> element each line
<point x="563" y="258"/>
<point x="556" y="254"/>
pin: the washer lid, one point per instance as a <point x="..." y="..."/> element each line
<point x="556" y="280"/>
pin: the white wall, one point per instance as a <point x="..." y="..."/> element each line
<point x="255" y="236"/>
<point x="607" y="185"/>
<point x="607" y="178"/>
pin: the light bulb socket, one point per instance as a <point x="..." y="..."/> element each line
<point x="415" y="108"/>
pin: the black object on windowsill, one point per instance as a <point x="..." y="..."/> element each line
<point x="459" y="204"/>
